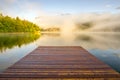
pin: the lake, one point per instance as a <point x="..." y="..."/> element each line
<point x="105" y="46"/>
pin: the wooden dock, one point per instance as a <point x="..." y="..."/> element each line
<point x="59" y="63"/>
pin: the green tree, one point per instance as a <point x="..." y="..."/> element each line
<point x="8" y="24"/>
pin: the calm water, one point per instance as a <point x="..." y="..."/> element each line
<point x="105" y="46"/>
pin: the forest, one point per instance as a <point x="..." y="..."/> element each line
<point x="8" y="24"/>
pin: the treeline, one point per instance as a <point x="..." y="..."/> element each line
<point x="8" y="24"/>
<point x="84" y="26"/>
<point x="52" y="29"/>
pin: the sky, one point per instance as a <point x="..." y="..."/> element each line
<point x="29" y="9"/>
<point x="78" y="6"/>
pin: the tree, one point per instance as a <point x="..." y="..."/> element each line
<point x="8" y="24"/>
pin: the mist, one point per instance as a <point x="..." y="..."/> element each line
<point x="67" y="22"/>
<point x="104" y="22"/>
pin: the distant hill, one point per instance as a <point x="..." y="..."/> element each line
<point x="50" y="29"/>
<point x="91" y="22"/>
<point x="97" y="27"/>
<point x="100" y="23"/>
<point x="102" y="26"/>
<point x="84" y="26"/>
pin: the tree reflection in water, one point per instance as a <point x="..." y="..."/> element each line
<point x="8" y="41"/>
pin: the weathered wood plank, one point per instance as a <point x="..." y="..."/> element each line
<point x="55" y="62"/>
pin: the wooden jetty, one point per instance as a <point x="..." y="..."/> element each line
<point x="59" y="63"/>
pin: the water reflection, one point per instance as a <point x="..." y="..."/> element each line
<point x="51" y="34"/>
<point x="15" y="46"/>
<point x="105" y="46"/>
<point x="84" y="38"/>
<point x="109" y="56"/>
<point x="87" y="40"/>
<point x="99" y="40"/>
<point x="8" y="41"/>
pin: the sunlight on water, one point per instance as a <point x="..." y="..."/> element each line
<point x="105" y="46"/>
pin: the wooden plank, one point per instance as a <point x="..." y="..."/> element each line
<point x="59" y="62"/>
<point x="59" y="79"/>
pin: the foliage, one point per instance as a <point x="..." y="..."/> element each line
<point x="8" y="24"/>
<point x="84" y="26"/>
<point x="52" y="29"/>
<point x="8" y="41"/>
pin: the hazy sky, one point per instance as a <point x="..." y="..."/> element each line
<point x="78" y="6"/>
<point x="29" y="9"/>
